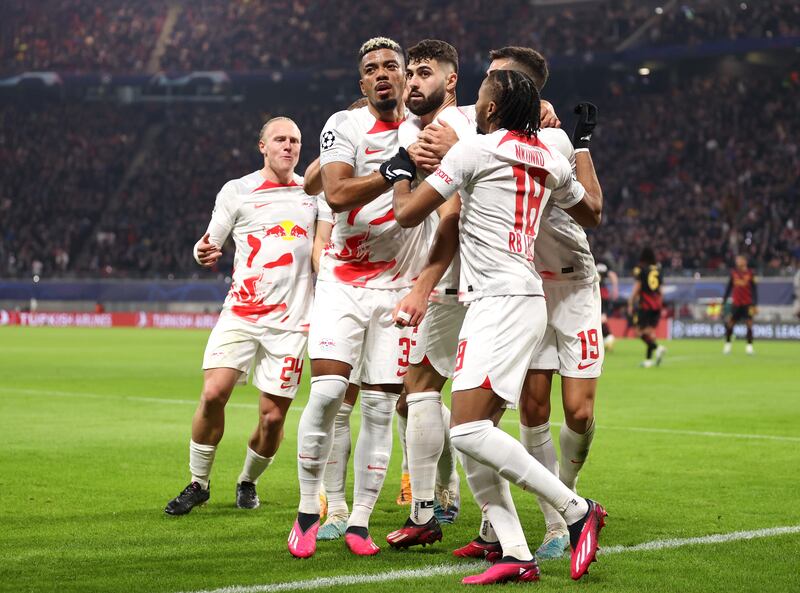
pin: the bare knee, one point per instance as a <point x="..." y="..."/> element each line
<point x="272" y="421"/>
<point x="214" y="395"/>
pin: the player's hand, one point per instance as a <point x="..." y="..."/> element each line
<point x="398" y="168"/>
<point x="206" y="253"/>
<point x="584" y="127"/>
<point x="410" y="310"/>
<point x="438" y="138"/>
<point x="547" y="115"/>
<point x="423" y="159"/>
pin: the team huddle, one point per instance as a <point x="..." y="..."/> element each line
<point x="447" y="243"/>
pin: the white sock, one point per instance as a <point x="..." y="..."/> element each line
<point x="487" y="532"/>
<point x="574" y="450"/>
<point x="424" y="442"/>
<point x="493" y="495"/>
<point x="491" y="446"/>
<point x="402" y="424"/>
<point x="201" y="458"/>
<point x="373" y="449"/>
<point x="538" y="441"/>
<point x="446" y="470"/>
<point x="254" y="466"/>
<point x="335" y="476"/>
<point x="314" y="438"/>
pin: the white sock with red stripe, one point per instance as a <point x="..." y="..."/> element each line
<point x="335" y="476"/>
<point x="314" y="437"/>
<point x="539" y="442"/>
<point x="489" y="445"/>
<point x="373" y="449"/>
<point x="493" y="495"/>
<point x="574" y="450"/>
<point x="424" y="442"/>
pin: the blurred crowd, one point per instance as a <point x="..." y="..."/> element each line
<point x="250" y="35"/>
<point x="702" y="172"/>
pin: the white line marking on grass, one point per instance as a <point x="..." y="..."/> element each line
<point x="434" y="570"/>
<point x="298" y="408"/>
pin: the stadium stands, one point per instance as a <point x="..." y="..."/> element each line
<point x="241" y="35"/>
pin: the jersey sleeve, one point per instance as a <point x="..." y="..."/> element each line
<point x="223" y="217"/>
<point x="324" y="212"/>
<point x="558" y="139"/>
<point x="336" y="142"/>
<point x="569" y="190"/>
<point x="456" y="170"/>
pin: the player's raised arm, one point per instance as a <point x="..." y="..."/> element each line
<point x="411" y="208"/>
<point x="442" y="251"/>
<point x="589" y="211"/>
<point x="312" y="179"/>
<point x="345" y="192"/>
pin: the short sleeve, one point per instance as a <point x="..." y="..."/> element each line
<point x="324" y="212"/>
<point x="456" y="170"/>
<point x="459" y="121"/>
<point x="569" y="190"/>
<point x="223" y="217"/>
<point x="336" y="143"/>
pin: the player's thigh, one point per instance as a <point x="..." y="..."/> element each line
<point x="575" y="318"/>
<point x="386" y="348"/>
<point x="435" y="342"/>
<point x="496" y="343"/>
<point x="279" y="363"/>
<point x="339" y="319"/>
<point x="232" y="344"/>
<point x="472" y="405"/>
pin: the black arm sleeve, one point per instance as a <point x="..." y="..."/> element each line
<point x="728" y="289"/>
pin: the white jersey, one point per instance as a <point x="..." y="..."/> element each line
<point x="447" y="288"/>
<point x="505" y="180"/>
<point x="368" y="247"/>
<point x="562" y="248"/>
<point x="273" y="231"/>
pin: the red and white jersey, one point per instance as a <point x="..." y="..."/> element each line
<point x="368" y="248"/>
<point x="447" y="288"/>
<point x="562" y="248"/>
<point x="273" y="231"/>
<point x="505" y="181"/>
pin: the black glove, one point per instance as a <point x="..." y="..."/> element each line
<point x="587" y="120"/>
<point x="398" y="167"/>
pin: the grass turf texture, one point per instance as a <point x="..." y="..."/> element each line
<point x="95" y="427"/>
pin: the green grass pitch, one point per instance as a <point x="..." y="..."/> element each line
<point x="95" y="427"/>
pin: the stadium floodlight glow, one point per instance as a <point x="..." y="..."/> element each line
<point x="659" y="10"/>
<point x="644" y="70"/>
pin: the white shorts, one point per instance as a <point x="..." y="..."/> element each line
<point x="573" y="340"/>
<point x="496" y="343"/>
<point x="275" y="356"/>
<point x="353" y="324"/>
<point x="435" y="340"/>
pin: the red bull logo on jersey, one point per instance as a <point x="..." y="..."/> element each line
<point x="286" y="230"/>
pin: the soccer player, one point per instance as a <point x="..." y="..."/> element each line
<point x="264" y="322"/>
<point x="431" y="78"/>
<point x="369" y="268"/>
<point x="609" y="292"/>
<point x="505" y="178"/>
<point x="647" y="295"/>
<point x="742" y="284"/>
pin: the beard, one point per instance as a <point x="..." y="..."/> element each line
<point x="424" y="106"/>
<point x="385" y="104"/>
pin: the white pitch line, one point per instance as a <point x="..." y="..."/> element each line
<point x="451" y="569"/>
<point x="298" y="408"/>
